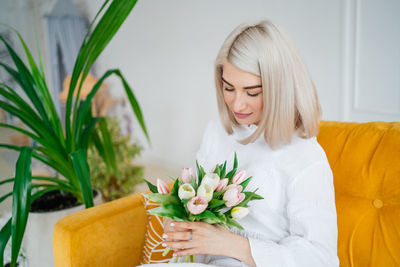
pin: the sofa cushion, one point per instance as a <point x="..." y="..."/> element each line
<point x="365" y="161"/>
<point x="152" y="249"/>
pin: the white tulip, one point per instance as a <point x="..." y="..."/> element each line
<point x="205" y="191"/>
<point x="186" y="191"/>
<point x="239" y="212"/>
<point x="212" y="179"/>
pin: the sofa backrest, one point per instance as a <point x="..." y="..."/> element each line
<point x="365" y="161"/>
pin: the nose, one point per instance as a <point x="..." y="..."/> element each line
<point x="239" y="103"/>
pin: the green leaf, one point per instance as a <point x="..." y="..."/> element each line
<point x="193" y="183"/>
<point x="223" y="171"/>
<point x="235" y="162"/>
<point x="2" y="198"/>
<point x="175" y="188"/>
<point x="87" y="134"/>
<point x="216" y="203"/>
<point x="135" y="106"/>
<point x="232" y="223"/>
<point x="163" y="199"/>
<point x="199" y="173"/>
<point x="246" y="182"/>
<point x="91" y="48"/>
<point x="21" y="201"/>
<point x="43" y="91"/>
<point x="152" y="187"/>
<point x="5" y="234"/>
<point x="29" y="134"/>
<point x="248" y="197"/>
<point x="81" y="168"/>
<point x="234" y="169"/>
<point x="97" y="143"/>
<point x="10" y="180"/>
<point x="217" y="170"/>
<point x="184" y="203"/>
<point x="216" y="195"/>
<point x="58" y="183"/>
<point x="208" y="217"/>
<point x="62" y="169"/>
<point x="35" y="123"/>
<point x="107" y="145"/>
<point x="174" y="212"/>
<point x="25" y="77"/>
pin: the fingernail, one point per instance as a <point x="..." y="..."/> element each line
<point x="174" y="255"/>
<point x="172" y="224"/>
<point x="164" y="235"/>
<point x="164" y="245"/>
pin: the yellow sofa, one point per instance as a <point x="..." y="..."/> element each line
<point x="365" y="159"/>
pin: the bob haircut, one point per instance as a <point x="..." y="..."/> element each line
<point x="290" y="102"/>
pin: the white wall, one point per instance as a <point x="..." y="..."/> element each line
<point x="166" y="50"/>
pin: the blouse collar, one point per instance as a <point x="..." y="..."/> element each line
<point x="243" y="131"/>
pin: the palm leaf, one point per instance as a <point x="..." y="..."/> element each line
<point x="21" y="201"/>
<point x="107" y="145"/>
<point x="91" y="48"/>
<point x="44" y="91"/>
<point x="27" y="82"/>
<point x="81" y="168"/>
<point x="5" y="234"/>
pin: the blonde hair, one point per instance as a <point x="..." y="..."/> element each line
<point x="290" y="100"/>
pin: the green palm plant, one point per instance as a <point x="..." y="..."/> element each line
<point x="63" y="150"/>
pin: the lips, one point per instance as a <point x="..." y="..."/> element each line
<point x="241" y="115"/>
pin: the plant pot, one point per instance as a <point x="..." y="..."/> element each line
<point x="38" y="238"/>
<point x="21" y="260"/>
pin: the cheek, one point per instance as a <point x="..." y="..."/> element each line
<point x="228" y="98"/>
<point x="258" y="104"/>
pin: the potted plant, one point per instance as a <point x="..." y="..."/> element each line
<point x="113" y="185"/>
<point x="62" y="147"/>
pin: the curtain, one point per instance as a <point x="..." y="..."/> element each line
<point x="67" y="28"/>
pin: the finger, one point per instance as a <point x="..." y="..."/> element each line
<point x="177" y="235"/>
<point x="188" y="225"/>
<point x="186" y="252"/>
<point x="174" y="227"/>
<point x="178" y="245"/>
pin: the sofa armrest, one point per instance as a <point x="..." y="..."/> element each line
<point x="111" y="234"/>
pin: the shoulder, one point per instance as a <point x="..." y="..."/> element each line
<point x="299" y="155"/>
<point x="215" y="129"/>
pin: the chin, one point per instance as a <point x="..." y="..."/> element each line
<point x="245" y="121"/>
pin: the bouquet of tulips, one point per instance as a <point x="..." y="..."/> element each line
<point x="217" y="197"/>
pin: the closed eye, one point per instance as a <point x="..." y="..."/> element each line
<point x="254" y="95"/>
<point x="229" y="89"/>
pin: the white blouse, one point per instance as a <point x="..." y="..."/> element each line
<point x="295" y="224"/>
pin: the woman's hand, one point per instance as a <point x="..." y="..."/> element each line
<point x="207" y="239"/>
<point x="167" y="226"/>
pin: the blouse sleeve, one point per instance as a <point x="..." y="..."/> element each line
<point x="312" y="239"/>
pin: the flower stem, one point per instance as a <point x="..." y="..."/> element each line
<point x="166" y="250"/>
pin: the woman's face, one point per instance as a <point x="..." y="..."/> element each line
<point x="242" y="94"/>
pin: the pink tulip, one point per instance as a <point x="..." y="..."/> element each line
<point x="222" y="184"/>
<point x="162" y="187"/>
<point x="186" y="175"/>
<point x="233" y="195"/>
<point x="197" y="205"/>
<point x="239" y="177"/>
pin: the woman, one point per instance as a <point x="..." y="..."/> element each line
<point x="269" y="116"/>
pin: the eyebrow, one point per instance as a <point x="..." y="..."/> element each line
<point x="247" y="87"/>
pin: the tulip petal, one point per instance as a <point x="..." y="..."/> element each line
<point x="197" y="205"/>
<point x="239" y="212"/>
<point x="162" y="187"/>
